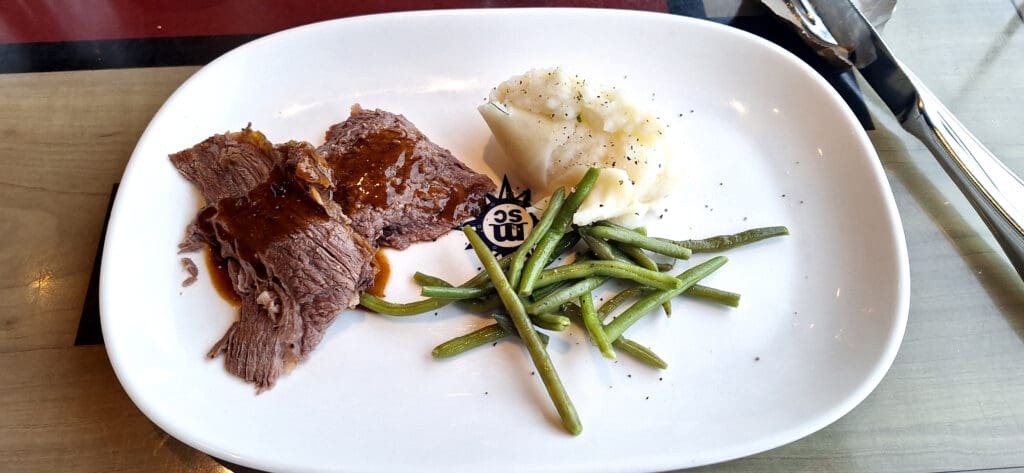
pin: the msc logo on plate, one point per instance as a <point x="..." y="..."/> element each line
<point x="505" y="221"/>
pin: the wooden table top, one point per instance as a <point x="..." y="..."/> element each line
<point x="953" y="400"/>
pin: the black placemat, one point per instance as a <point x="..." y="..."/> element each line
<point x="89" y="332"/>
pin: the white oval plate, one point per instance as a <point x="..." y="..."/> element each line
<point x="823" y="310"/>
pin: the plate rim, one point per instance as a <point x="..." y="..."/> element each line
<point x="777" y="439"/>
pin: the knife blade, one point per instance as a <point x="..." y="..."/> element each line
<point x="868" y="52"/>
<point x="995" y="192"/>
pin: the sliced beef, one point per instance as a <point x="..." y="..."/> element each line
<point x="291" y="255"/>
<point x="396" y="185"/>
<point x="192" y="270"/>
<point x="279" y="219"/>
<point x="308" y="164"/>
<point x="227" y="165"/>
<point x="247" y="154"/>
<point x="254" y="346"/>
<point x="294" y="266"/>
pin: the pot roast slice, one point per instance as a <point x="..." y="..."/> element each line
<point x="297" y="226"/>
<point x="228" y="165"/>
<point x="295" y="267"/>
<point x="397" y="186"/>
<point x="291" y="254"/>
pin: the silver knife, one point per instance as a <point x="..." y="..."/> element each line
<point x="996" y="193"/>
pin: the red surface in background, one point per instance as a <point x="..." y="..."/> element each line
<point x="30" y="21"/>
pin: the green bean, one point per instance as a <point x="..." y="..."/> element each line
<point x="483" y="305"/>
<point x="424" y="279"/>
<point x="638" y="256"/>
<point x="562" y="296"/>
<point x="666" y="266"/>
<point x="482" y="336"/>
<point x="660" y="246"/>
<point x="382" y="306"/>
<point x="438" y="288"/>
<point x="407" y="309"/>
<point x="551" y="321"/>
<point x="697" y="291"/>
<point x="569" y="240"/>
<point x="640" y="352"/>
<point x="594" y="327"/>
<point x="619" y="253"/>
<point x="481" y="276"/>
<point x="615" y="328"/>
<point x="608" y="251"/>
<point x="562" y="220"/>
<point x="506" y="323"/>
<point x="609" y="223"/>
<point x="617" y="300"/>
<point x="730" y="299"/>
<point x="641" y="258"/>
<point x="447" y="292"/>
<point x="455" y="293"/>
<point x="542" y="292"/>
<point x="469" y="296"/>
<point x="479" y="337"/>
<point x="726" y="242"/>
<point x="600" y="247"/>
<point x="546" y="369"/>
<point x="631" y="348"/>
<point x="515" y="268"/>
<point x="616" y="269"/>
<point x="604" y="249"/>
<point x="486" y="305"/>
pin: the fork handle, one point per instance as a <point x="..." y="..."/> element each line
<point x="996" y="193"/>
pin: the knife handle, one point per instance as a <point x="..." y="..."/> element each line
<point x="996" y="193"/>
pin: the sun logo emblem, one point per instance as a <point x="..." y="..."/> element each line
<point x="505" y="221"/>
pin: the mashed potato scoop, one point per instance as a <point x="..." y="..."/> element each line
<point x="553" y="125"/>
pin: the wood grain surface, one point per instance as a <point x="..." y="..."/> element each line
<point x="953" y="400"/>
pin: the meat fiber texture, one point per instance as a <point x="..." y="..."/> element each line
<point x="278" y="218"/>
<point x="291" y="291"/>
<point x="227" y="165"/>
<point x="417" y="190"/>
<point x="294" y="262"/>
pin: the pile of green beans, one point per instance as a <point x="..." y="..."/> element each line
<point x="523" y="292"/>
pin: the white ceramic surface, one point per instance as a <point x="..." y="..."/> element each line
<point x="822" y="315"/>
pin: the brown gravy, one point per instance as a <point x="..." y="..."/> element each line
<point x="380" y="280"/>
<point x="258" y="221"/>
<point x="383" y="166"/>
<point x="272" y="212"/>
<point x="220" y="278"/>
